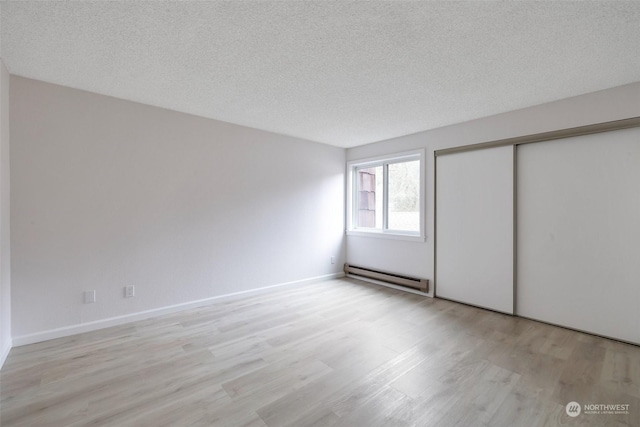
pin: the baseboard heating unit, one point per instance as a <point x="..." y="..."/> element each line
<point x="421" y="285"/>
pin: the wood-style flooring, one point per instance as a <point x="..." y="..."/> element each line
<point x="336" y="353"/>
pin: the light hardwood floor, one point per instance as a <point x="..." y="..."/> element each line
<point x="337" y="353"/>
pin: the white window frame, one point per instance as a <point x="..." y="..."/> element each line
<point x="352" y="194"/>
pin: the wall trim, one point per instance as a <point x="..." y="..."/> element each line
<point x="5" y="353"/>
<point x="128" y="318"/>
<point x="631" y="122"/>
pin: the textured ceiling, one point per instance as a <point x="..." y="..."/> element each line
<point x="343" y="73"/>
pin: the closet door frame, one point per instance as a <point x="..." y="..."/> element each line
<point x="629" y="123"/>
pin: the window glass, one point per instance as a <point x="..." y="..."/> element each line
<point x="369" y="207"/>
<point x="404" y="196"/>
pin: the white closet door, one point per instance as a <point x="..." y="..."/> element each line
<point x="474" y="226"/>
<point x="579" y="233"/>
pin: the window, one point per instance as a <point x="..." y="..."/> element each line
<point x="386" y="196"/>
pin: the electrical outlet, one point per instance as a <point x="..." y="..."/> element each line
<point x="89" y="297"/>
<point x="129" y="291"/>
<point x="333" y="259"/>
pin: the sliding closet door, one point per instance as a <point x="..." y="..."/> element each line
<point x="579" y="233"/>
<point x="474" y="228"/>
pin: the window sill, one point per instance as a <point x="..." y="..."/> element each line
<point x="387" y="235"/>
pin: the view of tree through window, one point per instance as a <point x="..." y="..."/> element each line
<point x="404" y="196"/>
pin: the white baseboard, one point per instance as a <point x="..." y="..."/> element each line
<point x="5" y="353"/>
<point x="392" y="286"/>
<point x="120" y="320"/>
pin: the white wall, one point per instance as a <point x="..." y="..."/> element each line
<point x="108" y="193"/>
<point x="5" y="256"/>
<point x="416" y="258"/>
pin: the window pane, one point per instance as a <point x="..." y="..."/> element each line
<point x="404" y="196"/>
<point x="369" y="204"/>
